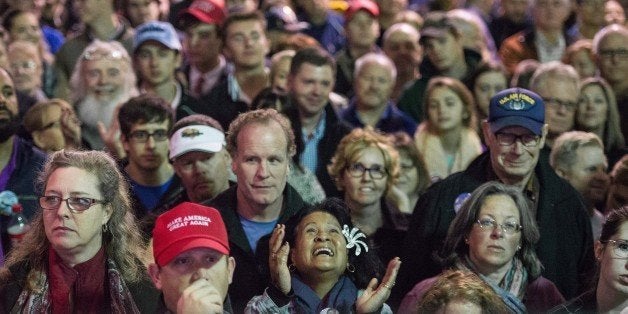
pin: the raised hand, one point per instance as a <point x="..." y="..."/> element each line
<point x="71" y="126"/>
<point x="200" y="297"/>
<point x="111" y="136"/>
<point x="278" y="260"/>
<point x="374" y="296"/>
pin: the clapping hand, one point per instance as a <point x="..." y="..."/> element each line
<point x="278" y="260"/>
<point x="374" y="296"/>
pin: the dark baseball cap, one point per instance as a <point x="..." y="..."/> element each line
<point x="516" y="107"/>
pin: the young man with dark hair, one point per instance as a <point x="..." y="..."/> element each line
<point x="445" y="55"/>
<point x="144" y="125"/>
<point x="202" y="44"/>
<point x="157" y="55"/>
<point x="246" y="46"/>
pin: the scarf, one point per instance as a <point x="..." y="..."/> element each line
<point x="511" y="289"/>
<point x="39" y="301"/>
<point x="341" y="297"/>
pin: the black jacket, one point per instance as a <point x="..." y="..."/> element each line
<point x="412" y="97"/>
<point x="251" y="273"/>
<point x="565" y="247"/>
<point x="335" y="130"/>
<point x="219" y="105"/>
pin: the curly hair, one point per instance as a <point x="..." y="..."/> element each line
<point x="122" y="240"/>
<point x="367" y="264"/>
<point x="353" y="144"/>
<point x="455" y="248"/>
<point x="144" y="109"/>
<point x="461" y="286"/>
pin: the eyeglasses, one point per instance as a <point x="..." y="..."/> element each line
<point x="620" y="247"/>
<point x="610" y="53"/>
<point x="75" y="204"/>
<point x="508" y="227"/>
<point x="27" y="66"/>
<point x="97" y="54"/>
<point x="358" y="170"/>
<point x="569" y="105"/>
<point x="142" y="136"/>
<point x="507" y="139"/>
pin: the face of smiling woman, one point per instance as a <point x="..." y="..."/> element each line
<point x="364" y="190"/>
<point x="320" y="247"/>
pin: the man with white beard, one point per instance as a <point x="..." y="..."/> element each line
<point x="102" y="80"/>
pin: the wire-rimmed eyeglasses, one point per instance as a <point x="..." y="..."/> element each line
<point x="75" y="204"/>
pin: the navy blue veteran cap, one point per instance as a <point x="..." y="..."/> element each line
<point x="516" y="107"/>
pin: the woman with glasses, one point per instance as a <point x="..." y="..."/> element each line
<point x="82" y="253"/>
<point x="493" y="235"/>
<point x="365" y="167"/>
<point x="610" y="291"/>
<point x="448" y="137"/>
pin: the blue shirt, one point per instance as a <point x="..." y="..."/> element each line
<point x="309" y="157"/>
<point x="255" y="230"/>
<point x="150" y="195"/>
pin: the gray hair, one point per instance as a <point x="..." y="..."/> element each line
<point x="554" y="70"/>
<point x="565" y="148"/>
<point x="606" y="31"/>
<point x="112" y="50"/>
<point x="375" y="58"/>
<point x="401" y="27"/>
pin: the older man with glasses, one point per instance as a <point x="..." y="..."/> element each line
<point x="610" y="46"/>
<point x="515" y="133"/>
<point x="558" y="85"/>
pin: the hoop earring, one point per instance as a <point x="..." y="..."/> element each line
<point x="350" y="268"/>
<point x="292" y="268"/>
<point x="105" y="228"/>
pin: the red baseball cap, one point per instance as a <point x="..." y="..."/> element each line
<point x="357" y="5"/>
<point x="206" y="11"/>
<point x="188" y="226"/>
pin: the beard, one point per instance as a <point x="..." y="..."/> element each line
<point x="91" y="110"/>
<point x="9" y="125"/>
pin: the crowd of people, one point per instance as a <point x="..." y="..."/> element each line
<point x="314" y="156"/>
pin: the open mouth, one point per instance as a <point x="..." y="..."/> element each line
<point x="323" y="251"/>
